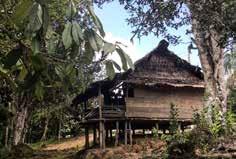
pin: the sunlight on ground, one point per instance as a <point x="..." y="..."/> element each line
<point x="77" y="142"/>
<point x="62" y="150"/>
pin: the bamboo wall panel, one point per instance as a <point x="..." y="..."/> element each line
<point x="156" y="104"/>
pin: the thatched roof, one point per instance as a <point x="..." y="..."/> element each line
<point x="161" y="66"/>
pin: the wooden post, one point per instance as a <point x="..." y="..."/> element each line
<point x="125" y="132"/>
<point x="107" y="134"/>
<point x="130" y="134"/>
<point x="157" y="128"/>
<point x="179" y="127"/>
<point x="101" y="124"/>
<point x="164" y="131"/>
<point x="103" y="136"/>
<point x="110" y="134"/>
<point x="182" y="128"/>
<point x="86" y="137"/>
<point x="117" y="134"/>
<point x="94" y="136"/>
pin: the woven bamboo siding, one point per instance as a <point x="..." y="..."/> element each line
<point x="156" y="104"/>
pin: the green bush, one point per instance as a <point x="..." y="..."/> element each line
<point x="178" y="145"/>
<point x="21" y="151"/>
<point x="173" y="119"/>
<point x="4" y="153"/>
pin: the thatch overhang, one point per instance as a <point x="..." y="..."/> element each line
<point x="160" y="67"/>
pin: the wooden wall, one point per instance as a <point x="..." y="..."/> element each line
<point x="155" y="103"/>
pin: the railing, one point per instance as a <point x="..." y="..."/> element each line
<point x="113" y="111"/>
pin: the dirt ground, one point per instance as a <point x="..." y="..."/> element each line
<point x="73" y="143"/>
<point x="66" y="149"/>
<point x="73" y="149"/>
<point x="143" y="148"/>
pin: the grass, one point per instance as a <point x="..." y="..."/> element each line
<point x="39" y="145"/>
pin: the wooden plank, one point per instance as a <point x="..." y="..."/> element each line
<point x="86" y="138"/>
<point x="94" y="136"/>
<point x="155" y="115"/>
<point x="117" y="133"/>
<point x="153" y="108"/>
<point x="103" y="136"/>
<point x="110" y="131"/>
<point x="125" y="132"/>
<point x="130" y="134"/>
<point x="101" y="123"/>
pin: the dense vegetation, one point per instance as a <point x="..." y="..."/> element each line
<point x="49" y="53"/>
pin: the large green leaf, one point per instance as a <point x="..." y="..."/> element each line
<point x="51" y="46"/>
<point x="129" y="61"/>
<point x="35" y="18"/>
<point x="108" y="47"/>
<point x="110" y="69"/>
<point x="38" y="62"/>
<point x="11" y="58"/>
<point x="76" y="32"/>
<point x="30" y="80"/>
<point x="35" y="45"/>
<point x="23" y="73"/>
<point x="96" y="20"/>
<point x="66" y="35"/>
<point x="94" y="39"/>
<point x="39" y="90"/>
<point x="59" y="71"/>
<point x="46" y="19"/>
<point x="71" y="10"/>
<point x="89" y="53"/>
<point x="125" y="59"/>
<point x="117" y="66"/>
<point x="71" y="73"/>
<point x="22" y="9"/>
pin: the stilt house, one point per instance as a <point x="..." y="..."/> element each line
<point x="141" y="98"/>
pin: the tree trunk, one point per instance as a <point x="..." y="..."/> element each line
<point x="212" y="60"/>
<point x="22" y="112"/>
<point x="44" y="137"/>
<point x="7" y="129"/>
<point x="6" y="136"/>
<point x="20" y="120"/>
<point x="26" y="128"/>
<point x="59" y="126"/>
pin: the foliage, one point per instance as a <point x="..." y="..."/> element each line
<point x="232" y="100"/>
<point x="231" y="114"/>
<point x="155" y="132"/>
<point x="79" y="37"/>
<point x="50" y="52"/>
<point x="4" y="153"/>
<point x="203" y="137"/>
<point x="179" y="145"/>
<point x="216" y="129"/>
<point x="5" y="113"/>
<point x="21" y="151"/>
<point x="159" y="17"/>
<point x="173" y="119"/>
